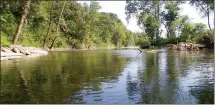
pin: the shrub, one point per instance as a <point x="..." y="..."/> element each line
<point x="207" y="39"/>
<point x="144" y="41"/>
<point x="4" y="40"/>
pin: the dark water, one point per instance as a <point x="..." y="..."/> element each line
<point x="115" y="76"/>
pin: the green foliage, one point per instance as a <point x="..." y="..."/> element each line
<point x="4" y="40"/>
<point x="129" y="41"/>
<point x="150" y="23"/>
<point x="143" y="40"/>
<point x="192" y="32"/>
<point x="27" y="40"/>
<point x="81" y="26"/>
<point x="207" y="38"/>
<point x="170" y="18"/>
<point x="205" y="7"/>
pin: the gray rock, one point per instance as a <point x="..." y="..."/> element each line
<point x="22" y="51"/>
<point x="5" y="50"/>
<point x="173" y="47"/>
<point x="16" y="50"/>
<point x="180" y="48"/>
<point x="27" y="53"/>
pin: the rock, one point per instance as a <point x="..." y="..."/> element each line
<point x="4" y="54"/>
<point x="182" y="44"/>
<point x="16" y="50"/>
<point x="27" y="53"/>
<point x="22" y="51"/>
<point x="172" y="47"/>
<point x="5" y="50"/>
<point x="181" y="48"/>
<point x="200" y="45"/>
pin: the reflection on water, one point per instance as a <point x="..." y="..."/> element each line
<point x="114" y="76"/>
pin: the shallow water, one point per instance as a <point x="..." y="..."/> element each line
<point x="111" y="76"/>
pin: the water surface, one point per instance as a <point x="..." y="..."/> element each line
<point x="110" y="77"/>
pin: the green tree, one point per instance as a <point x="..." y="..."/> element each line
<point x="146" y="12"/>
<point x="170" y="17"/>
<point x="22" y="19"/>
<point x="206" y="7"/>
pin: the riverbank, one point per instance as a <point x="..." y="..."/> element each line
<point x="183" y="46"/>
<point x="108" y="48"/>
<point x="16" y="51"/>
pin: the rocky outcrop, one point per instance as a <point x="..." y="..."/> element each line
<point x="186" y="47"/>
<point x="17" y="50"/>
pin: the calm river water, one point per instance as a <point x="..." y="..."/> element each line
<point x="110" y="77"/>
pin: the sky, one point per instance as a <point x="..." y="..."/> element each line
<point x="118" y="7"/>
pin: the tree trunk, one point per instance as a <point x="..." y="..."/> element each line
<point x="18" y="30"/>
<point x="209" y="21"/>
<point x="53" y="42"/>
<point x="58" y="25"/>
<point x="50" y="21"/>
<point x="158" y="16"/>
<point x="208" y="14"/>
<point x="168" y="32"/>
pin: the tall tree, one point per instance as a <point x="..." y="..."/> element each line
<point x="170" y="16"/>
<point x="205" y="7"/>
<point x="23" y="15"/>
<point x="146" y="11"/>
<point x="53" y="41"/>
<point x="49" y="24"/>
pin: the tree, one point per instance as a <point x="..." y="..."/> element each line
<point x="63" y="24"/>
<point x="49" y="24"/>
<point x="192" y="32"/>
<point x="170" y="17"/>
<point x="23" y="15"/>
<point x="143" y="40"/>
<point x="53" y="41"/>
<point x="205" y="7"/>
<point x="146" y="11"/>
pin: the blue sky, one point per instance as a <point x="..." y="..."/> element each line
<point x="118" y="7"/>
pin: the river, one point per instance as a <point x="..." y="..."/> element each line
<point x="110" y="77"/>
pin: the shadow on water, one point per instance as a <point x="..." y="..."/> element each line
<point x="112" y="76"/>
<point x="58" y="77"/>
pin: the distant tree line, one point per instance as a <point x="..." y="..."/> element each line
<point x="151" y="14"/>
<point x="72" y="24"/>
<point x="61" y="24"/>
